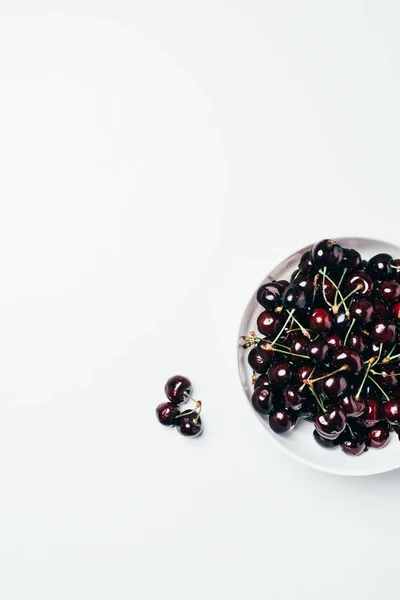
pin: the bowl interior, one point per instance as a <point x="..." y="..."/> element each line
<point x="299" y="442"/>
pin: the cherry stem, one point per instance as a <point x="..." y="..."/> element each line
<point x="315" y="287"/>
<point x="348" y="332"/>
<point x="390" y="359"/>
<point x="351" y="431"/>
<point x="338" y="287"/>
<point x="343" y="368"/>
<point x="190" y="412"/>
<point x="357" y="396"/>
<point x="253" y="378"/>
<point x="397" y="267"/>
<point x="282" y="346"/>
<point x="302" y="329"/>
<point x="323" y="287"/>
<point x="290" y="353"/>
<point x="356" y="289"/>
<point x="283" y="328"/>
<point x="379" y="387"/>
<point x="198" y="402"/>
<point x="333" y="283"/>
<point x="301" y="388"/>
<point x="319" y="401"/>
<point x="379" y="354"/>
<point x="389" y="356"/>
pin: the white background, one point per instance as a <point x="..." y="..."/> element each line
<point x="157" y="159"/>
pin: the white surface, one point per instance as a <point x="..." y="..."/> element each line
<point x="157" y="158"/>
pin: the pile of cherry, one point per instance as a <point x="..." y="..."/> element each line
<point x="178" y="390"/>
<point x="329" y="348"/>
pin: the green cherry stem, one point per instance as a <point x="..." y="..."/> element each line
<point x="338" y="287"/>
<point x="379" y="355"/>
<point x="379" y="387"/>
<point x="351" y="431"/>
<point x="283" y="328"/>
<point x="302" y="329"/>
<point x="323" y="287"/>
<point x="348" y="332"/>
<point x="290" y="353"/>
<point x="312" y="381"/>
<point x="356" y="289"/>
<point x="319" y="401"/>
<point x="357" y="396"/>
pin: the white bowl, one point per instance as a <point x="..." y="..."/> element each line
<point x="299" y="442"/>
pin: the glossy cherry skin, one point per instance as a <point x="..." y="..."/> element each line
<point x="282" y="420"/>
<point x="299" y="345"/>
<point x="328" y="444"/>
<point x="304" y="372"/>
<point x="262" y="381"/>
<point x="362" y="311"/>
<point x="350" y="358"/>
<point x="327" y="253"/>
<point x="361" y="279"/>
<point x="356" y="342"/>
<point x="265" y="351"/>
<point x="383" y="332"/>
<point x="382" y="310"/>
<point x="293" y="398"/>
<point x="318" y="350"/>
<point x="256" y="362"/>
<point x="263" y="399"/>
<point x="373" y="349"/>
<point x="387" y="378"/>
<point x="294" y="297"/>
<point x="166" y="413"/>
<point x="352" y="407"/>
<point x="396" y="271"/>
<point x="351" y="258"/>
<point x="305" y="282"/>
<point x="379" y="266"/>
<point x="354" y="446"/>
<point x="389" y="291"/>
<point x="268" y="323"/>
<point x="334" y="341"/>
<point x="396" y="311"/>
<point x="327" y="289"/>
<point x="391" y="412"/>
<point x="283" y="283"/>
<point x="331" y="423"/>
<point x="373" y="412"/>
<point x="280" y="373"/>
<point x="269" y="296"/>
<point x="306" y="265"/>
<point x="178" y="388"/>
<point x="379" y="435"/>
<point x="321" y="320"/>
<point x="340" y="323"/>
<point x="189" y="424"/>
<point x="334" y="386"/>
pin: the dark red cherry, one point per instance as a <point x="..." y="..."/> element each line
<point x="262" y="381"/>
<point x="327" y="289"/>
<point x="294" y="297"/>
<point x="328" y="444"/>
<point x="293" y="398"/>
<point x="361" y="282"/>
<point x="362" y="311"/>
<point x="256" y="362"/>
<point x="387" y="376"/>
<point x="306" y="265"/>
<point x="383" y="332"/>
<point x="389" y="291"/>
<point x="305" y="282"/>
<point x="350" y="358"/>
<point x="334" y="341"/>
<point x="266" y="351"/>
<point x="331" y="423"/>
<point x="396" y="311"/>
<point x="351" y="258"/>
<point x="268" y="323"/>
<point x="354" y="445"/>
<point x="382" y="310"/>
<point x="263" y="400"/>
<point x="326" y="253"/>
<point x="178" y="388"/>
<point x="352" y="407"/>
<point x="356" y="342"/>
<point x="299" y="346"/>
<point x="396" y="269"/>
<point x="269" y="296"/>
<point x="166" y="413"/>
<point x="280" y="373"/>
<point x="379" y="435"/>
<point x="321" y="320"/>
<point x="189" y="424"/>
<point x="282" y="420"/>
<point x="283" y="283"/>
<point x="373" y="412"/>
<point x="334" y="385"/>
<point x="304" y="372"/>
<point x="391" y="412"/>
<point x="379" y="266"/>
<point x="373" y="349"/>
<point x="318" y="350"/>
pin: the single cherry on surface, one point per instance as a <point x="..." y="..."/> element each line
<point x="189" y="424"/>
<point x="282" y="420"/>
<point x="256" y="362"/>
<point x="379" y="435"/>
<point x="379" y="266"/>
<point x="166" y="413"/>
<point x="178" y="388"/>
<point x="268" y="323"/>
<point x="331" y="423"/>
<point x="391" y="412"/>
<point x="326" y="253"/>
<point x="321" y="320"/>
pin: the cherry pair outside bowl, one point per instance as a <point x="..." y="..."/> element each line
<point x="299" y="442"/>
